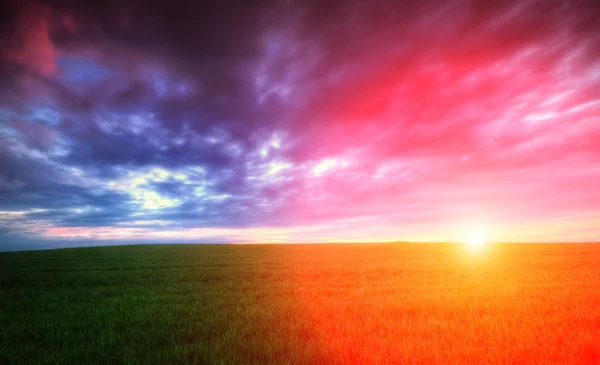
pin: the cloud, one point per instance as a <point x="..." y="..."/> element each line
<point x="287" y="114"/>
<point x="28" y="42"/>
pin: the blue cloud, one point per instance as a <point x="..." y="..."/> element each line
<point x="80" y="73"/>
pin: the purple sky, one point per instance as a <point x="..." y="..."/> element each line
<point x="298" y="121"/>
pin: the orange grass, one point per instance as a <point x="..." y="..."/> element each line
<point x="302" y="304"/>
<point x="425" y="304"/>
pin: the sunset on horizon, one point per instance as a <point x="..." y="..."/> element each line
<point x="300" y="182"/>
<point x="298" y="121"/>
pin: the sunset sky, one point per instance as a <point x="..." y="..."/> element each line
<point x="298" y="121"/>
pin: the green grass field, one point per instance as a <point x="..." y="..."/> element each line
<point x="301" y="304"/>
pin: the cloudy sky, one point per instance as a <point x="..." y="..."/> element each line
<point x="298" y="121"/>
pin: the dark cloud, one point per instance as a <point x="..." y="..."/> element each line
<point x="286" y="113"/>
<point x="60" y="196"/>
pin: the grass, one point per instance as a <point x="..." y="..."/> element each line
<point x="301" y="304"/>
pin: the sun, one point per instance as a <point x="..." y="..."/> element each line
<point x="475" y="240"/>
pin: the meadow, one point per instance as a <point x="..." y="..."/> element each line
<point x="302" y="304"/>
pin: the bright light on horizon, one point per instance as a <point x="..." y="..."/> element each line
<point x="476" y="239"/>
<point x="476" y="242"/>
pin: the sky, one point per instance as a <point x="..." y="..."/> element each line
<point x="298" y="121"/>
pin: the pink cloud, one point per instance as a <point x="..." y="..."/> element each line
<point x="31" y="43"/>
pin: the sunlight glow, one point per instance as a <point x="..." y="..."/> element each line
<point x="329" y="163"/>
<point x="476" y="241"/>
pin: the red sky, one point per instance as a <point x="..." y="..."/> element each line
<point x="299" y="122"/>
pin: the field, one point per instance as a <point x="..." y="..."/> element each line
<point x="302" y="304"/>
